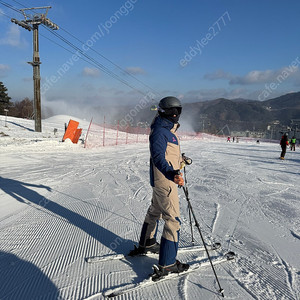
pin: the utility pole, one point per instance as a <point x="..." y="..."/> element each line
<point x="36" y="79"/>
<point x="35" y="16"/>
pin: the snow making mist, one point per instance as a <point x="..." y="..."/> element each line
<point x="187" y="122"/>
<point x="63" y="107"/>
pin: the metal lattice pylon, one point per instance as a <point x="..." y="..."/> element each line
<point x="35" y="14"/>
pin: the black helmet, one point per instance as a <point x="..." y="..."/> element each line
<point x="170" y="108"/>
<point x="169" y="102"/>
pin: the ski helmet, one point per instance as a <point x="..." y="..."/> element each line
<point x="169" y="102"/>
<point x="170" y="108"/>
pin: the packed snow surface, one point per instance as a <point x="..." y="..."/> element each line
<point x="61" y="203"/>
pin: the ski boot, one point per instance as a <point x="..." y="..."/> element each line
<point x="160" y="272"/>
<point x="144" y="250"/>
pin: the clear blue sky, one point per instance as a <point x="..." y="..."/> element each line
<point x="194" y="50"/>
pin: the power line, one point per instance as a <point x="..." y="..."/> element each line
<point x="91" y="63"/>
<point x="4" y="14"/>
<point x="116" y="65"/>
<point x="10" y="6"/>
<point x="97" y="64"/>
<point x="107" y="71"/>
<point x="89" y="60"/>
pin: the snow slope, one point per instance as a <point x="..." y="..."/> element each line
<point x="61" y="203"/>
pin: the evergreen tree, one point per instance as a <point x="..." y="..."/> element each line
<point x="4" y="98"/>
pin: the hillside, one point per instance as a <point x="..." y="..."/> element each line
<point x="243" y="115"/>
<point x="238" y="115"/>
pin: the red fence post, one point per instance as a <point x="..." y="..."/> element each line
<point x="117" y="133"/>
<point x="127" y="134"/>
<point x="87" y="133"/>
<point x="137" y="134"/>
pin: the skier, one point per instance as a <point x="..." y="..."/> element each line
<point x="283" y="143"/>
<point x="228" y="139"/>
<point x="165" y="160"/>
<point x="293" y="143"/>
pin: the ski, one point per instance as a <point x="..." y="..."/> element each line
<point x="108" y="257"/>
<point x="149" y="281"/>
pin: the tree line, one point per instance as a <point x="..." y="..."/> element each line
<point x="20" y="109"/>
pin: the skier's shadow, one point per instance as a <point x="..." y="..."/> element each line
<point x="17" y="277"/>
<point x="22" y="192"/>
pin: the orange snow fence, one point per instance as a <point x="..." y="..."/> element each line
<point x="77" y="136"/>
<point x="72" y="132"/>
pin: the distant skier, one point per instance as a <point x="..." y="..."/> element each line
<point x="165" y="160"/>
<point x="228" y="139"/>
<point x="233" y="138"/>
<point x="293" y="143"/>
<point x="284" y="142"/>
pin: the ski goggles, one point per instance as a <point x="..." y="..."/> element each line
<point x="171" y="111"/>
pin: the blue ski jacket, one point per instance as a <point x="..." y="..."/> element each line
<point x="165" y="156"/>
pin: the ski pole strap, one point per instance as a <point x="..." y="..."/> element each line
<point x="188" y="161"/>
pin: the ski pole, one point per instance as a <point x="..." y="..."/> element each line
<point x="198" y="226"/>
<point x="187" y="161"/>
<point x="189" y="209"/>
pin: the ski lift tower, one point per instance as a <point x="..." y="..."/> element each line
<point x="35" y="16"/>
<point x="295" y="126"/>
